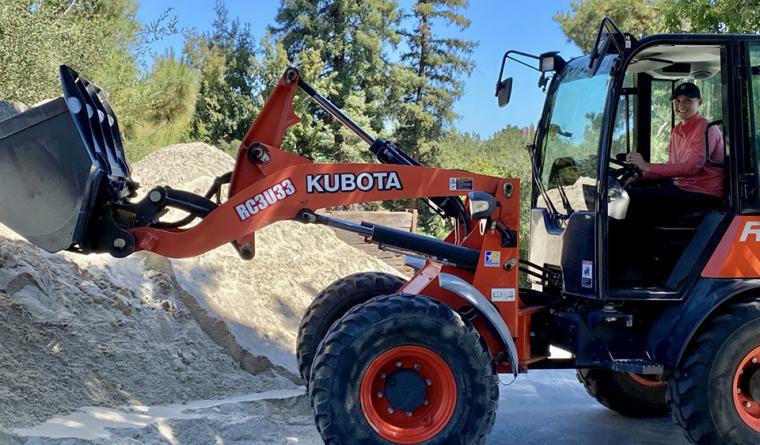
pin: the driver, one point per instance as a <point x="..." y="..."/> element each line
<point x="686" y="183"/>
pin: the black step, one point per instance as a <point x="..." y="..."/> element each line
<point x="637" y="366"/>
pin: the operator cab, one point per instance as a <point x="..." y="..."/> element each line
<point x="615" y="101"/>
<point x="661" y="254"/>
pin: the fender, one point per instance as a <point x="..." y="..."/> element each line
<point x="478" y="301"/>
<point x="674" y="329"/>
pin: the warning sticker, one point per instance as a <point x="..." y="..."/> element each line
<point x="587" y="273"/>
<point x="502" y="295"/>
<point x="460" y="184"/>
<point x="492" y="258"/>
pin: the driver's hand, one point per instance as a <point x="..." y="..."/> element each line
<point x="637" y="160"/>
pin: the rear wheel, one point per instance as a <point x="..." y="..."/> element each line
<point x="334" y="301"/>
<point x="629" y="394"/>
<point x="403" y="369"/>
<point x="715" y="392"/>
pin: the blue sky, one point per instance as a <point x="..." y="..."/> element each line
<point x="497" y="26"/>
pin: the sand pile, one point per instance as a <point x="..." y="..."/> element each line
<point x="261" y="301"/>
<point x="98" y="331"/>
<point x="94" y="330"/>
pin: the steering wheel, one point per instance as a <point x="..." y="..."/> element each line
<point x="626" y="174"/>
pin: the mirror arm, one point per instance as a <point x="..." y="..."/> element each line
<point x="507" y="55"/>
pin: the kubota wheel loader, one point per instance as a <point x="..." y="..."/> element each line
<point x="668" y="322"/>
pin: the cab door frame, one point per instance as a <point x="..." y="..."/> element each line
<point x="731" y="117"/>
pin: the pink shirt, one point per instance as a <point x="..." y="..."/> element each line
<point x="686" y="158"/>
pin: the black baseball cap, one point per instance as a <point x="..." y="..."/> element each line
<point x="687" y="89"/>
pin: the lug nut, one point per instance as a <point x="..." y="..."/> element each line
<point x="417" y="367"/>
<point x="398" y="364"/>
<point x="408" y="414"/>
<point x="754" y="359"/>
<point x="426" y="403"/>
<point x="379" y="395"/>
<point x="748" y="404"/>
<point x="390" y="410"/>
<point x="738" y="390"/>
<point x="382" y="375"/>
<point x="119" y="243"/>
<point x="428" y="382"/>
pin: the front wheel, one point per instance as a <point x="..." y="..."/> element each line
<point x="334" y="301"/>
<point x="403" y="369"/>
<point x="715" y="392"/>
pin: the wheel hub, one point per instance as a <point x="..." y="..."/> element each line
<point x="408" y="394"/>
<point x="405" y="390"/>
<point x="754" y="384"/>
<point x="746" y="389"/>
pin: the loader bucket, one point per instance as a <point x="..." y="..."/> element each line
<point x="61" y="163"/>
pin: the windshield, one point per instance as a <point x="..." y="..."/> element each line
<point x="570" y="144"/>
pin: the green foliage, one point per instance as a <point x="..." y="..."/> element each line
<point x="580" y="25"/>
<point x="435" y="66"/>
<point x="429" y="82"/>
<point x="38" y="36"/>
<point x="225" y="59"/>
<point x="341" y="46"/>
<point x="104" y="42"/>
<point x="711" y="16"/>
<point x="169" y="95"/>
<point x="653" y="16"/>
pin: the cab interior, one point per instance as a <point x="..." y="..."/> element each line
<point x="663" y="256"/>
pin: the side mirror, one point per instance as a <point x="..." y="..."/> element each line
<point x="482" y="205"/>
<point x="504" y="91"/>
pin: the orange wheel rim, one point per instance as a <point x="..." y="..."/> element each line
<point x="427" y="418"/>
<point x="746" y="401"/>
<point x="651" y="381"/>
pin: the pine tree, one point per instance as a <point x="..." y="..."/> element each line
<point x="169" y="94"/>
<point x="225" y="58"/>
<point x="433" y="67"/>
<point x="350" y="38"/>
<point x="436" y="65"/>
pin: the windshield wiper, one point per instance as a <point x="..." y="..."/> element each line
<point x="563" y="196"/>
<point x="539" y="185"/>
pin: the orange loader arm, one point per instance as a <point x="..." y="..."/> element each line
<point x="269" y="184"/>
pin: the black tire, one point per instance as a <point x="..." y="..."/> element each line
<point x="701" y="389"/>
<point x="619" y="392"/>
<point x="382" y="326"/>
<point x="331" y="304"/>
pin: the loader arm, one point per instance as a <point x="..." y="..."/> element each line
<point x="269" y="184"/>
<point x="282" y="194"/>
